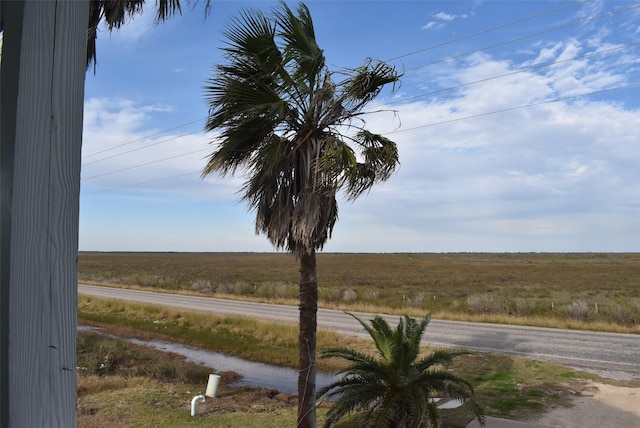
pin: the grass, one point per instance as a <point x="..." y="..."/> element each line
<point x="248" y="338"/>
<point x="139" y="387"/>
<point x="580" y="291"/>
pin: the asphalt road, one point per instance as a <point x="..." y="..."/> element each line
<point x="611" y="355"/>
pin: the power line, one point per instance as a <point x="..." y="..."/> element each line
<point x="142" y="183"/>
<point x="141" y="148"/>
<point x="395" y="101"/>
<point x="416" y="96"/>
<point x="143" y="164"/>
<point x="389" y="60"/>
<point x="522" y="70"/>
<point x="555" y="100"/>
<point x="488" y="30"/>
<point x="565" y="98"/>
<point x="517" y="39"/>
<point x="145" y="138"/>
<point x="441" y="90"/>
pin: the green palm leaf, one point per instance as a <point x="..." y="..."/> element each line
<point x="274" y="86"/>
<point x="114" y="13"/>
<point x="394" y="388"/>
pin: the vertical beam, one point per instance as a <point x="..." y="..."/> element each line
<point x="11" y="14"/>
<point x="48" y="76"/>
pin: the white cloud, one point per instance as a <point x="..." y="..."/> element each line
<point x="554" y="177"/>
<point x="120" y="150"/>
<point x="559" y="176"/>
<point x="429" y="25"/>
<point x="444" y="16"/>
<point x="440" y="19"/>
<point x="547" y="54"/>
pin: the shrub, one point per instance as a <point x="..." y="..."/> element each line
<point x="418" y="299"/>
<point x="239" y="288"/>
<point x="620" y="314"/>
<point x="522" y="306"/>
<point x="349" y="295"/>
<point x="578" y="310"/>
<point x="329" y="294"/>
<point x="202" y="286"/>
<point x="484" y="303"/>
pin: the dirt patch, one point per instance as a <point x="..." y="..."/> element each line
<point x="102" y="421"/>
<point x="597" y="405"/>
<point x="245" y="399"/>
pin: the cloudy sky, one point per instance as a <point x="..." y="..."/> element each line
<point x="517" y="122"/>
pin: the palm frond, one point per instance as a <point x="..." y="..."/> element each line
<point x="439" y="357"/>
<point x="351" y="400"/>
<point x="166" y="8"/>
<point x="274" y="86"/>
<point x="394" y="387"/>
<point x="299" y="43"/>
<point x="367" y="81"/>
<point x="114" y="14"/>
<point x="380" y="161"/>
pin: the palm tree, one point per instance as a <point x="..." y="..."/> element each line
<point x="299" y="137"/>
<point x="395" y="388"/>
<point x="115" y="13"/>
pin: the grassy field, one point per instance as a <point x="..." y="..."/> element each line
<point x="248" y="338"/>
<point x="123" y="385"/>
<point x="582" y="290"/>
<point x="120" y="384"/>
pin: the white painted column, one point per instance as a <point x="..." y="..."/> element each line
<point x="41" y="92"/>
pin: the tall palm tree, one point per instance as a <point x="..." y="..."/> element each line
<point x="299" y="137"/>
<point x="114" y="13"/>
<point x="395" y="388"/>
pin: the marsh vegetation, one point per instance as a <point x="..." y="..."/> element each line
<point x="585" y="291"/>
<point x="140" y="387"/>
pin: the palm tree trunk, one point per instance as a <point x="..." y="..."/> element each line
<point x="307" y="341"/>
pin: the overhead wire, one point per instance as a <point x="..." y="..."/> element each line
<point x="528" y="36"/>
<point x="555" y="100"/>
<point x="141" y="183"/>
<point x="487" y="30"/>
<point x="416" y="96"/>
<point x="458" y="119"/>
<point x="143" y="164"/>
<point x="146" y="137"/>
<point x="396" y="101"/>
<point x="511" y="73"/>
<point x="175" y="137"/>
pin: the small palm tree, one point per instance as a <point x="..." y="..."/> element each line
<point x="395" y="389"/>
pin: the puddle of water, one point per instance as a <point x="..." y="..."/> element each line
<point x="451" y="404"/>
<point x="255" y="374"/>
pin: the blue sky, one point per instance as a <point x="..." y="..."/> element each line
<point x="517" y="122"/>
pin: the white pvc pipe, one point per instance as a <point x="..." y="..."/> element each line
<point x="212" y="385"/>
<point x="193" y="403"/>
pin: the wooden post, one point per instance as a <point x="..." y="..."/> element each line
<point x="41" y="93"/>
